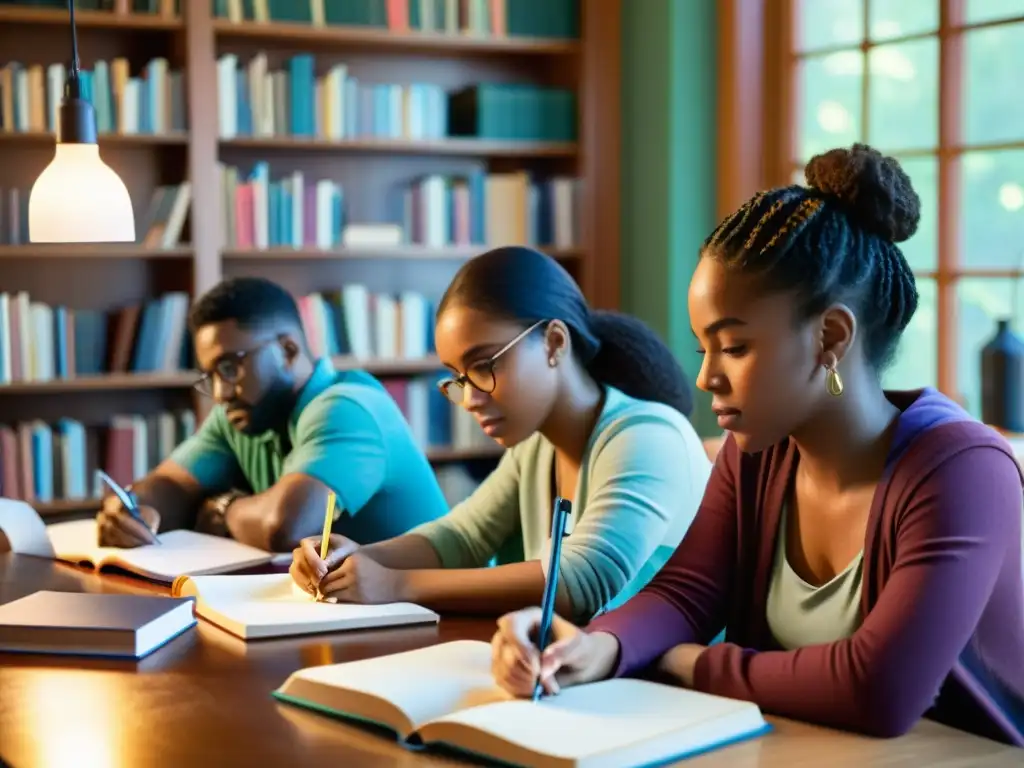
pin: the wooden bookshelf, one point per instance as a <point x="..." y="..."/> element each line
<point x="381" y="40"/>
<point x="458" y="253"/>
<point x="105" y="139"/>
<point x="90" y="251"/>
<point x="14" y="15"/>
<point x="368" y="169"/>
<point x="452" y="147"/>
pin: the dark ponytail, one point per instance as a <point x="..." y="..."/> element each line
<point x="618" y="350"/>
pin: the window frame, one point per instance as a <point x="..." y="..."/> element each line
<point x="759" y="106"/>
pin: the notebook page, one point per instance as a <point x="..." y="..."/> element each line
<point x="613" y="714"/>
<point x="24" y="529"/>
<point x="76" y="538"/>
<point x="449" y="677"/>
<point x="188" y="552"/>
<point x="275" y="600"/>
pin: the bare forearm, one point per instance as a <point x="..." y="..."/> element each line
<point x="489" y="591"/>
<point x="406" y="553"/>
<point x="277" y="519"/>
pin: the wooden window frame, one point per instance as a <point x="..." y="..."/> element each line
<point x="758" y="105"/>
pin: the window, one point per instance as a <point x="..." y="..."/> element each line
<point x="936" y="84"/>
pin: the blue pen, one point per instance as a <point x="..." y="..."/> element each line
<point x="547" y="608"/>
<point x="128" y="499"/>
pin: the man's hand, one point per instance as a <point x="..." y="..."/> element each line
<point x="117" y="528"/>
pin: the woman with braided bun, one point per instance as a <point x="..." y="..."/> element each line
<point x="860" y="547"/>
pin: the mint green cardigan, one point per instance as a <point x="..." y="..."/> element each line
<point x="640" y="483"/>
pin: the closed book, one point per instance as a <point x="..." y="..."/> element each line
<point x="82" y="623"/>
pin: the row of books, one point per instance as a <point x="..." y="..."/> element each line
<point x="483" y="18"/>
<point x="294" y="101"/>
<point x="486" y="209"/>
<point x="42" y="462"/>
<point x="161" y="226"/>
<point x="366" y="325"/>
<point x="151" y="103"/>
<point x="40" y="343"/>
<point x="167" y="8"/>
<point x="256" y="101"/>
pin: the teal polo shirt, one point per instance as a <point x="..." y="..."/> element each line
<point x="347" y="432"/>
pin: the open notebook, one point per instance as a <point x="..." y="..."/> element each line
<point x="444" y="695"/>
<point x="180" y="552"/>
<point x="272" y="605"/>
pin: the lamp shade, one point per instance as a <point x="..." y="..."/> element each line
<point x="79" y="199"/>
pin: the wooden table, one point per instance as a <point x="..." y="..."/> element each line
<point x="204" y="700"/>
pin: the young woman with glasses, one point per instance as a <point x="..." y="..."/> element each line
<point x="591" y="406"/>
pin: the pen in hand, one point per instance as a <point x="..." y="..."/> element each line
<point x="547" y="609"/>
<point x="326" y="538"/>
<point x="127" y="498"/>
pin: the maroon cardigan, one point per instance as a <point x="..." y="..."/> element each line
<point x="942" y="599"/>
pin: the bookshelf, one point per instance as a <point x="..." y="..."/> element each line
<point x="371" y="172"/>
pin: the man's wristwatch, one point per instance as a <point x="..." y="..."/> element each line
<point x="214" y="512"/>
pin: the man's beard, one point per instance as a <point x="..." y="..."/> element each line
<point x="272" y="411"/>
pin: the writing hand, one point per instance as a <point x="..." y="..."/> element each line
<point x="117" y="527"/>
<point x="572" y="657"/>
<point x="307" y="569"/>
<point x="361" y="579"/>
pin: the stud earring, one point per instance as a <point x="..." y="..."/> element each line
<point x="833" y="381"/>
<point x="552" y="361"/>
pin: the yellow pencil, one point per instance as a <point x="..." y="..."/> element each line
<point x="325" y="540"/>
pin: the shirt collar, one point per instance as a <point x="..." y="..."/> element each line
<point x="324" y="375"/>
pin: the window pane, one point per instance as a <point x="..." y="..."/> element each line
<point x="829" y="23"/>
<point x="994" y="61"/>
<point x="986" y="10"/>
<point x="992" y="201"/>
<point x="903" y="105"/>
<point x="831" y="108"/>
<point x="916" y="363"/>
<point x="922" y="250"/>
<point x="982" y="301"/>
<point x="899" y="18"/>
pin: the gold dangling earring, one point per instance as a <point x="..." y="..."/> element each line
<point x="833" y="381"/>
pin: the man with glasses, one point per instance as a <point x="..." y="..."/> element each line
<point x="285" y="430"/>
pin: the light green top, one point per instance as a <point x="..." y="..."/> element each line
<point x="640" y="483"/>
<point x="800" y="614"/>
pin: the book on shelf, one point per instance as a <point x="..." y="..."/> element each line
<point x="354" y="321"/>
<point x="86" y="624"/>
<point x="255" y="101"/>
<point x="40" y="343"/>
<point x="43" y="463"/>
<point x="435" y="211"/>
<point x="262" y="606"/>
<point x="179" y="553"/>
<point x="478" y="18"/>
<point x="455" y="704"/>
<point x="153" y="102"/>
<point x="165" y="218"/>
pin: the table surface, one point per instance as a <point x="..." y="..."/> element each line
<point x="204" y="699"/>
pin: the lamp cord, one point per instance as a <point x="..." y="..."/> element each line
<point x="73" y="85"/>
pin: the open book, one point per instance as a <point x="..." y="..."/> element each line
<point x="444" y="695"/>
<point x="273" y="605"/>
<point x="179" y="553"/>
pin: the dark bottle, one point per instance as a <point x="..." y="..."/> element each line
<point x="1002" y="380"/>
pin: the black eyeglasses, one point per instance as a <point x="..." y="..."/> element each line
<point x="229" y="368"/>
<point x="480" y="375"/>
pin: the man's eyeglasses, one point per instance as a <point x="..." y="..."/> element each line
<point x="480" y="375"/>
<point x="229" y="368"/>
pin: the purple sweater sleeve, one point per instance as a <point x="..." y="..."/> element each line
<point x="685" y="602"/>
<point x="951" y="541"/>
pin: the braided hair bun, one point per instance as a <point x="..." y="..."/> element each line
<point x="872" y="189"/>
